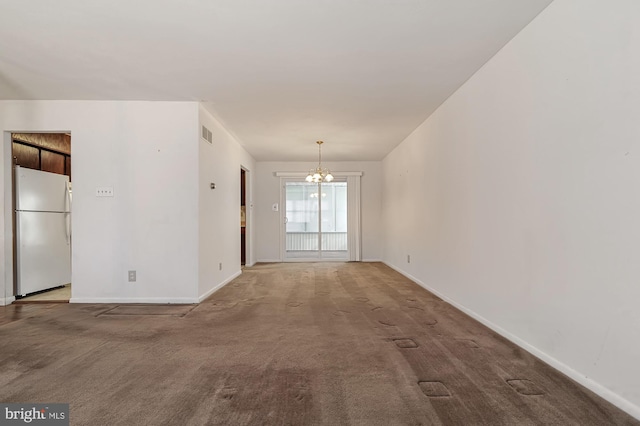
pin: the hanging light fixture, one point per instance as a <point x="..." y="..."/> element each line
<point x="319" y="174"/>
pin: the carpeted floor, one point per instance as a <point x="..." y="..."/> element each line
<point x="286" y="344"/>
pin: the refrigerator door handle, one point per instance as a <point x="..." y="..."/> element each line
<point x="67" y="187"/>
<point x="68" y="227"/>
<point x="68" y="213"/>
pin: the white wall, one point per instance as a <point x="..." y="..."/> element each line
<point x="520" y="194"/>
<point x="148" y="152"/>
<point x="268" y="192"/>
<point x="219" y="209"/>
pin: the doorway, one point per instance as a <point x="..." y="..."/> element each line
<point x="243" y="217"/>
<point x="41" y="206"/>
<point x="306" y="199"/>
<point x="316" y="222"/>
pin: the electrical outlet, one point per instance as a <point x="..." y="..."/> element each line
<point x="408" y="258"/>
<point x="220" y="266"/>
<point x="104" y="191"/>
<point x="132" y="276"/>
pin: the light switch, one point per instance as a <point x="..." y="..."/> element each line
<point x="274" y="207"/>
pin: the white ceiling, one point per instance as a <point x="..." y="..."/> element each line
<point x="279" y="74"/>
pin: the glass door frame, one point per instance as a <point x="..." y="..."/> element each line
<point x="315" y="221"/>
<point x="354" y="249"/>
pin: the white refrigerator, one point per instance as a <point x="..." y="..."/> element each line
<point x="43" y="230"/>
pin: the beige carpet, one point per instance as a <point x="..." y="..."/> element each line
<point x="286" y="344"/>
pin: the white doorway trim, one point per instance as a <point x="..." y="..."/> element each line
<point x="354" y="240"/>
<point x="6" y="251"/>
<point x="248" y="197"/>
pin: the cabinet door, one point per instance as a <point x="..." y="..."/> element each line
<point x="52" y="162"/>
<point x="26" y="156"/>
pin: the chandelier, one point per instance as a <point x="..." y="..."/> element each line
<point x="319" y="174"/>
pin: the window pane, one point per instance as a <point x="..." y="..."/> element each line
<point x="302" y="216"/>
<point x="334" y="216"/>
<point x="304" y="203"/>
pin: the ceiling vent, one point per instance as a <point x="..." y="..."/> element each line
<point x="207" y="135"/>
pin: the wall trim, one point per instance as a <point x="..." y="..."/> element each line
<point x="316" y="260"/>
<point x="152" y="300"/>
<point x="269" y="261"/>
<point x="219" y="286"/>
<point x="354" y="219"/>
<point x="585" y="381"/>
<point x="5" y="301"/>
<point x="304" y="174"/>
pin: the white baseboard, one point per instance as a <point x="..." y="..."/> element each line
<point x="219" y="286"/>
<point x="303" y="260"/>
<point x="585" y="381"/>
<point x="155" y="300"/>
<point x="5" y="301"/>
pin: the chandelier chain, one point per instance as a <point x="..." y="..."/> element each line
<point x="319" y="175"/>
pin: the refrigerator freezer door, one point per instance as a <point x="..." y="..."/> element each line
<point x="41" y="191"/>
<point x="44" y="251"/>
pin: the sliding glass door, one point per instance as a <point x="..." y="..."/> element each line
<point x="315" y="220"/>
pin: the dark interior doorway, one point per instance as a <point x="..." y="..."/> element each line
<point x="46" y="152"/>
<point x="243" y="217"/>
